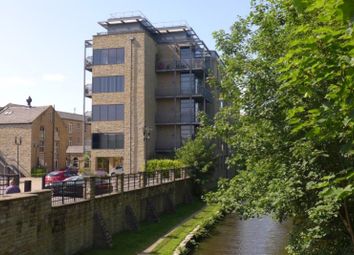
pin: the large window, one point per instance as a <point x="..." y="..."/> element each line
<point x="41" y="139"/>
<point x="187" y="111"/>
<point x="108" y="56"/>
<point x="108" y="84"/>
<point x="108" y="141"/>
<point x="108" y="112"/>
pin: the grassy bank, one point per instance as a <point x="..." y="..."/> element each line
<point x="128" y="242"/>
<point x="205" y="219"/>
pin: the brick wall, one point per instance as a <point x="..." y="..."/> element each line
<point x="29" y="225"/>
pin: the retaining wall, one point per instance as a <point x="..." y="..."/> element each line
<point x="30" y="225"/>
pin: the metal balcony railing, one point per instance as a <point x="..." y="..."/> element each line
<point x="88" y="90"/>
<point x="192" y="91"/>
<point x="189" y="117"/>
<point x="180" y="64"/>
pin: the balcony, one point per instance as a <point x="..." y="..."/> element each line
<point x="174" y="91"/>
<point x="186" y="118"/>
<point x="180" y="65"/>
<point x="88" y="90"/>
<point x="88" y="63"/>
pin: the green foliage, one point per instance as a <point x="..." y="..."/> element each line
<point x="201" y="154"/>
<point x="38" y="171"/>
<point x="289" y="119"/>
<point x="163" y="164"/>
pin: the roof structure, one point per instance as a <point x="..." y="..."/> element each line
<point x="161" y="33"/>
<point x="20" y="114"/>
<point x="70" y="116"/>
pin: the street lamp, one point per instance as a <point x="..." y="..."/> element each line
<point x="18" y="142"/>
<point x="147" y="132"/>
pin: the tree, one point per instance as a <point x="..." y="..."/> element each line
<point x="201" y="154"/>
<point x="289" y="89"/>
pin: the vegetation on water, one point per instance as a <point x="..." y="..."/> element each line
<point x="129" y="242"/>
<point x="288" y="120"/>
<point x="205" y="219"/>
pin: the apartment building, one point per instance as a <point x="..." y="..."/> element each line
<point x="149" y="84"/>
<point x="36" y="135"/>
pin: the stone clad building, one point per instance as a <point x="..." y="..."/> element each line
<point x="149" y="84"/>
<point x="41" y="133"/>
<point x="75" y="149"/>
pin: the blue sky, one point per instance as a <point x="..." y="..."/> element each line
<point x="41" y="44"/>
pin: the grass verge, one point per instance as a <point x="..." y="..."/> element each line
<point x="206" y="218"/>
<point x="128" y="242"/>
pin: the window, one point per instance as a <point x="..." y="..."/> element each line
<point x="109" y="112"/>
<point x="70" y="141"/>
<point x="108" y="84"/>
<point x="187" y="132"/>
<point x="108" y="141"/>
<point x="186" y="53"/>
<point x="108" y="56"/>
<point x="70" y="128"/>
<point x="187" y="111"/>
<point x="41" y="139"/>
<point x="187" y="86"/>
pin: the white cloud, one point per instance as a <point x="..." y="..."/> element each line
<point x="56" y="77"/>
<point x="16" y="81"/>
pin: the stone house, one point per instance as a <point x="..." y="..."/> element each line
<point x="41" y="134"/>
<point x="75" y="150"/>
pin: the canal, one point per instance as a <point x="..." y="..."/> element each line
<point x="246" y="237"/>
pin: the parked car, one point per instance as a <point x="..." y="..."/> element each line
<point x="116" y="170"/>
<point x="75" y="186"/>
<point x="57" y="176"/>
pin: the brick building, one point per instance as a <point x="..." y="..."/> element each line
<point x="41" y="133"/>
<point x="75" y="150"/>
<point x="148" y="86"/>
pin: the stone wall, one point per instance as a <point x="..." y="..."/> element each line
<point x="30" y="225"/>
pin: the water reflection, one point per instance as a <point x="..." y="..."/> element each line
<point x="251" y="237"/>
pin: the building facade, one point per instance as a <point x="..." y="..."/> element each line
<point x="149" y="84"/>
<point x="75" y="128"/>
<point x="38" y="133"/>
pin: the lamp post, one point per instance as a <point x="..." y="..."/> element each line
<point x="18" y="142"/>
<point x="147" y="132"/>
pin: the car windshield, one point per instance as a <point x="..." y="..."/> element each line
<point x="56" y="173"/>
<point x="74" y="178"/>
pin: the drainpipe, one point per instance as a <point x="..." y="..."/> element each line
<point x="131" y="104"/>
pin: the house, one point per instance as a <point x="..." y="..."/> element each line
<point x="32" y="136"/>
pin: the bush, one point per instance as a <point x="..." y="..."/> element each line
<point x="38" y="171"/>
<point x="163" y="164"/>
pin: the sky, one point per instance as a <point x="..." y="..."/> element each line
<point x="42" y="41"/>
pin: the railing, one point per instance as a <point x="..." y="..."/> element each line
<point x="11" y="164"/>
<point x="186" y="117"/>
<point x="5" y="181"/>
<point x="180" y="65"/>
<point x="81" y="190"/>
<point x="174" y="91"/>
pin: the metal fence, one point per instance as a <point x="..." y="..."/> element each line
<point x="5" y="181"/>
<point x="85" y="187"/>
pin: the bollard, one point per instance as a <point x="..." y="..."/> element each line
<point x="43" y="182"/>
<point x="28" y="186"/>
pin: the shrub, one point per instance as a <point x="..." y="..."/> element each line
<point x="38" y="171"/>
<point x="163" y="164"/>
